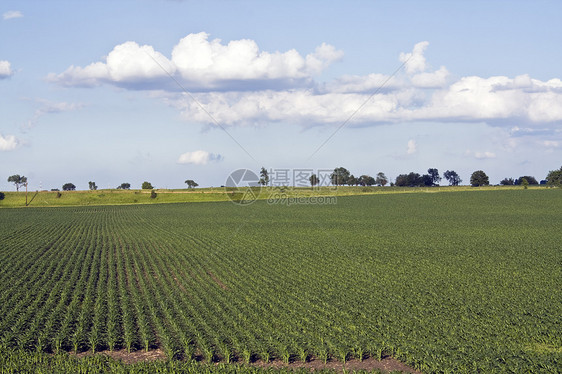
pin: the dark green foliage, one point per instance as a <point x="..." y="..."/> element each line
<point x="410" y="180"/>
<point x="147" y="185"/>
<point x="191" y="183"/>
<point x="529" y="179"/>
<point x="313" y="180"/>
<point x="153" y="194"/>
<point x="554" y="178"/>
<point x="264" y="177"/>
<point x="2" y="195"/>
<point x="479" y="178"/>
<point x="68" y="187"/>
<point x="340" y="176"/>
<point x="363" y="278"/>
<point x="507" y="182"/>
<point x="452" y="177"/>
<point x="17" y="180"/>
<point x="125" y="186"/>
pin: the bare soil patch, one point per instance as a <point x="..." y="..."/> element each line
<point x="128" y="357"/>
<point x="387" y="364"/>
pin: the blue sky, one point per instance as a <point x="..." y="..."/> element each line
<point x="93" y="91"/>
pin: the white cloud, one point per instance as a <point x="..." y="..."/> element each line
<point x="8" y="142"/>
<point x="127" y="63"/>
<point x="199" y="158"/>
<point x="416" y="60"/>
<point x="411" y="147"/>
<point x="480" y="155"/>
<point x="11" y="14"/>
<point x="200" y="64"/>
<point x="5" y="69"/>
<point x="50" y="107"/>
<point x="239" y="84"/>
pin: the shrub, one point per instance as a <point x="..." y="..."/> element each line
<point x="153" y="194"/>
<point x="2" y="195"/>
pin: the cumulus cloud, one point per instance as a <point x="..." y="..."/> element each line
<point x="201" y="64"/>
<point x="199" y="158"/>
<point x="416" y="60"/>
<point x="239" y="84"/>
<point x="8" y="142"/>
<point x="5" y="69"/>
<point x="412" y="147"/>
<point x="11" y="14"/>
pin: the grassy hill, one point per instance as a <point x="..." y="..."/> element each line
<point x="279" y="195"/>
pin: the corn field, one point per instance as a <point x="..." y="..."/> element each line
<point x="446" y="282"/>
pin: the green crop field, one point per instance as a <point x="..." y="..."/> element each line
<point x="444" y="282"/>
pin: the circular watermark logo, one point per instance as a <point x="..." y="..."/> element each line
<point x="243" y="186"/>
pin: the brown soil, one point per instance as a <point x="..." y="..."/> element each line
<point x="129" y="357"/>
<point x="387" y="364"/>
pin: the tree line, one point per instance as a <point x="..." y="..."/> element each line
<point x="342" y="176"/>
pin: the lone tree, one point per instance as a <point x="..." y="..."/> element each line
<point x="147" y="186"/>
<point x="264" y="177"/>
<point x="191" y="183"/>
<point x="68" y="187"/>
<point x="452" y="177"/>
<point x="381" y="179"/>
<point x="313" y="180"/>
<point x="17" y="180"/>
<point x="434" y="176"/>
<point x="479" y="178"/>
<point x="554" y="178"/>
<point x="124" y="186"/>
<point x="92" y="186"/>
<point x="340" y="176"/>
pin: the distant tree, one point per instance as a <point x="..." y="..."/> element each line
<point x="434" y="174"/>
<point x="427" y="180"/>
<point x="340" y="176"/>
<point x="92" y="186"/>
<point x="313" y="180"/>
<point x="54" y="189"/>
<point x="264" y="177"/>
<point x="507" y="182"/>
<point x="2" y="195"/>
<point x="191" y="183"/>
<point x="366" y="180"/>
<point x="524" y="183"/>
<point x="68" y="187"/>
<point x="530" y="180"/>
<point x="381" y="179"/>
<point x="17" y="180"/>
<point x="352" y="181"/>
<point x="409" y="180"/>
<point x="146" y="186"/>
<point x="124" y="186"/>
<point x="452" y="177"/>
<point x="554" y="178"/>
<point x="479" y="178"/>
